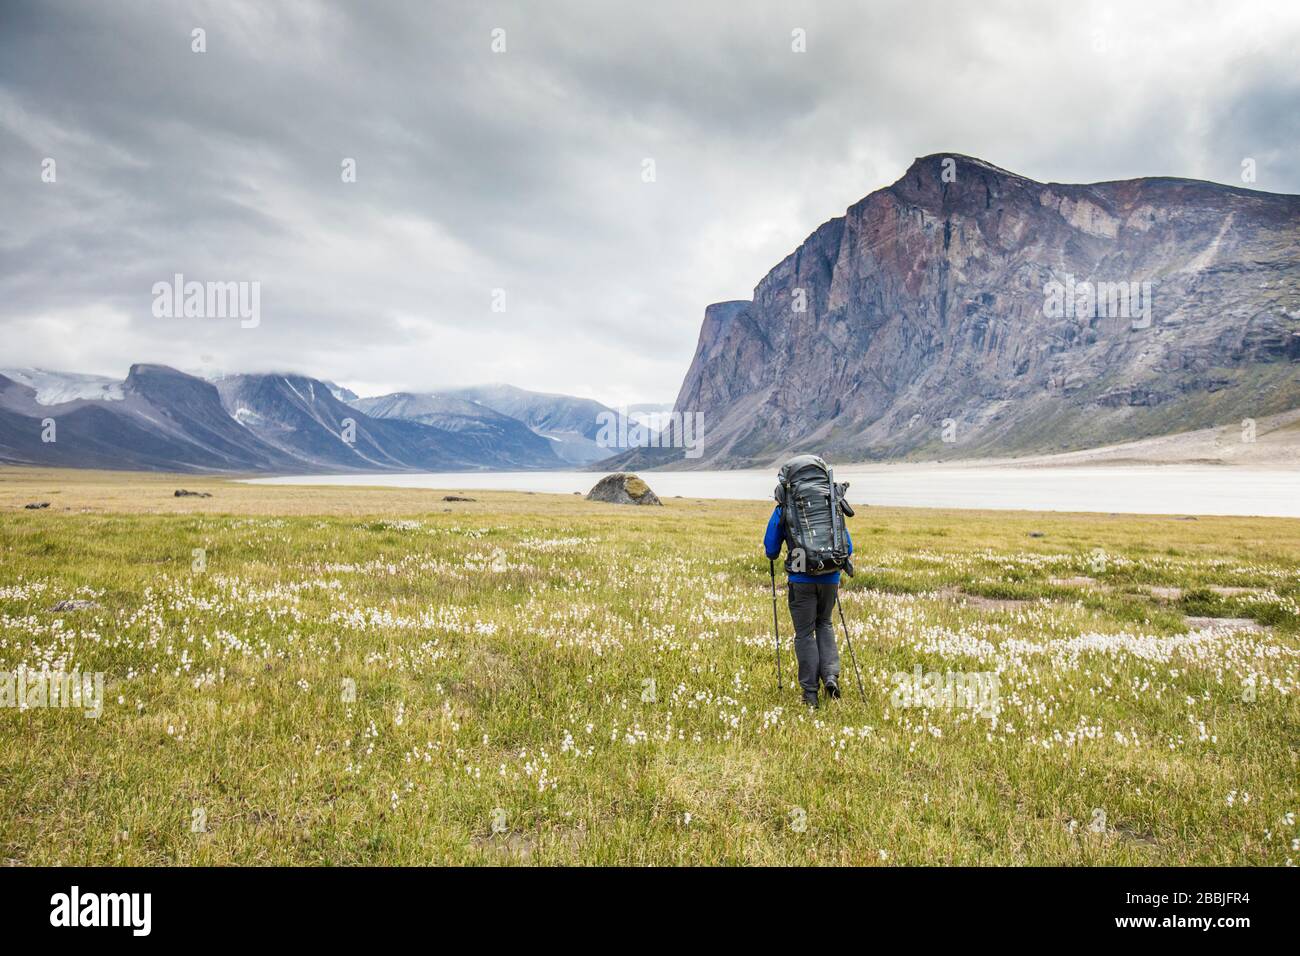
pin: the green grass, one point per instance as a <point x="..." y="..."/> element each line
<point x="502" y="655"/>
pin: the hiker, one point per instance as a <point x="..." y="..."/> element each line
<point x="809" y="520"/>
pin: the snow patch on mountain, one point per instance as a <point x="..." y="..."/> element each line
<point x="55" y="388"/>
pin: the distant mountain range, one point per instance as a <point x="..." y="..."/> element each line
<point x="487" y="430"/>
<point x="572" y="424"/>
<point x="163" y="419"/>
<point x="946" y="316"/>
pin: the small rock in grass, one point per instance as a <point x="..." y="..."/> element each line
<point x="35" y="505"/>
<point x="182" y="493"/>
<point x="1037" y="534"/>
<point x="75" y="604"/>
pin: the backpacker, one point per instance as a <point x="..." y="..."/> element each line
<point x="813" y="510"/>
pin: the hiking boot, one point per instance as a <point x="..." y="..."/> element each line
<point x="832" y="688"/>
<point x="810" y="700"/>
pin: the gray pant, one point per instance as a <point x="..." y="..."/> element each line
<point x="814" y="635"/>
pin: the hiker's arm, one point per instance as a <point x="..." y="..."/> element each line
<point x="772" y="540"/>
<point x="849" y="538"/>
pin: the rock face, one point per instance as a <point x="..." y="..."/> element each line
<point x="623" y="488"/>
<point x="932" y="326"/>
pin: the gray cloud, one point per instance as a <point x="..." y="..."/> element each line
<point x="522" y="170"/>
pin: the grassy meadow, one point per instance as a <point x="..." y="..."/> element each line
<point x="379" y="676"/>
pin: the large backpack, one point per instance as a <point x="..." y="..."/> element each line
<point x="813" y="510"/>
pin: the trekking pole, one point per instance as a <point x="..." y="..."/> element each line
<point x="847" y="640"/>
<point x="776" y="633"/>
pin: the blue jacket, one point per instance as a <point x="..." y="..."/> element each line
<point x="775" y="537"/>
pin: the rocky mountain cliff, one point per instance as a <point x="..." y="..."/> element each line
<point x="949" y="315"/>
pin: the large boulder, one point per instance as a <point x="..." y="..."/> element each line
<point x="623" y="488"/>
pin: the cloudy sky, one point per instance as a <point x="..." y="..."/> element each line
<point x="524" y="170"/>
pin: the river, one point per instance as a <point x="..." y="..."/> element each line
<point x="1135" y="489"/>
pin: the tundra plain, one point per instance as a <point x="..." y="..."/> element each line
<point x="341" y="675"/>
